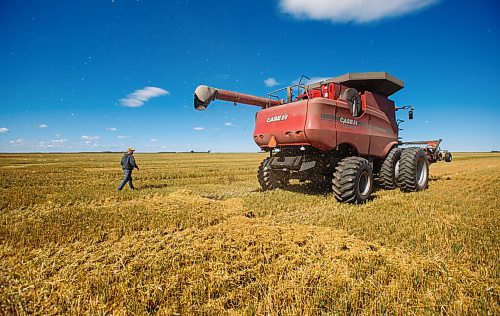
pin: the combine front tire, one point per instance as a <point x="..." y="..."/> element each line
<point x="413" y="170"/>
<point x="390" y="169"/>
<point x="353" y="180"/>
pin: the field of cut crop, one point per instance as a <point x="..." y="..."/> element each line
<point x="199" y="237"/>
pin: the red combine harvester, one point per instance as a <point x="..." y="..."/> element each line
<point x="341" y="132"/>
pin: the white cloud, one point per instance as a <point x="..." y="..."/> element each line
<point x="123" y="137"/>
<point x="90" y="137"/>
<point x="54" y="143"/>
<point x="139" y="97"/>
<point x="153" y="140"/>
<point x="229" y="124"/>
<point x="4" y="129"/>
<point x="359" y="11"/>
<point x="199" y="128"/>
<point x="17" y="141"/>
<point x="271" y="82"/>
<point x="43" y="126"/>
<point x="59" y="141"/>
<point x="112" y="129"/>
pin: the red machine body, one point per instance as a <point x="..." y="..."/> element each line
<point x="325" y="122"/>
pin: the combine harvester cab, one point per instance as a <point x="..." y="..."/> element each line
<point x="339" y="133"/>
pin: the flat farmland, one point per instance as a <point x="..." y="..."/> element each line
<point x="199" y="237"/>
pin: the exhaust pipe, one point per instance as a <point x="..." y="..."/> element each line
<point x="204" y="95"/>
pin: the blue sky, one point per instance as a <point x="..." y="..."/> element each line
<point x="105" y="75"/>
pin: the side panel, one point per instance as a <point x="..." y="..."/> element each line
<point x="383" y="128"/>
<point x="285" y="122"/>
<point x="353" y="130"/>
<point x="320" y="127"/>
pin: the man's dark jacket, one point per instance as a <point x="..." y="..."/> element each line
<point x="128" y="162"/>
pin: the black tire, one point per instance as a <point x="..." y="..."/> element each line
<point x="351" y="95"/>
<point x="267" y="179"/>
<point x="413" y="170"/>
<point x="353" y="180"/>
<point x="389" y="170"/>
<point x="448" y="157"/>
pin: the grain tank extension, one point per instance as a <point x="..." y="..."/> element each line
<point x="340" y="133"/>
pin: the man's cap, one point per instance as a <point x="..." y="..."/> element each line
<point x="130" y="149"/>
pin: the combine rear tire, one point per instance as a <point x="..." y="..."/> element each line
<point x="448" y="157"/>
<point x="413" y="170"/>
<point x="390" y="169"/>
<point x="267" y="179"/>
<point x="353" y="180"/>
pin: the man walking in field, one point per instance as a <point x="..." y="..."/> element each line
<point x="128" y="164"/>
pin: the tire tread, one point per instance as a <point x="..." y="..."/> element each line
<point x="408" y="169"/>
<point x="386" y="178"/>
<point x="344" y="179"/>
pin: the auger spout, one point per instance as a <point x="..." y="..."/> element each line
<point x="204" y="95"/>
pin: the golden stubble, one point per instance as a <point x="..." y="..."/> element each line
<point x="199" y="237"/>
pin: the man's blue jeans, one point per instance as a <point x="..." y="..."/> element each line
<point x="127" y="177"/>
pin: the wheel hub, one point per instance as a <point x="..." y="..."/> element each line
<point x="364" y="183"/>
<point x="421" y="172"/>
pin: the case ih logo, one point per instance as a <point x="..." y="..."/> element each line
<point x="347" y="121"/>
<point x="277" y="118"/>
